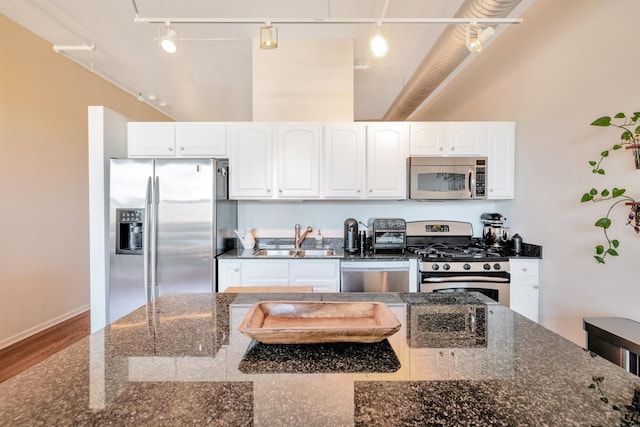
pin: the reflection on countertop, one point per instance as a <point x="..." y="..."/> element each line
<point x="182" y="360"/>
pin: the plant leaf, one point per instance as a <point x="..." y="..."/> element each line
<point x="617" y="192"/>
<point x="612" y="252"/>
<point x="620" y="116"/>
<point x="601" y="171"/>
<point x="615" y="243"/>
<point x="602" y="121"/>
<point x="593" y="163"/>
<point x="605" y="193"/>
<point x="599" y="249"/>
<point x="603" y="222"/>
<point x="593" y="191"/>
<point x="599" y="259"/>
<point x="605" y="153"/>
<point x="617" y="147"/>
<point x="586" y="197"/>
<point x="626" y="135"/>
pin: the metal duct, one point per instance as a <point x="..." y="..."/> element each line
<point x="445" y="55"/>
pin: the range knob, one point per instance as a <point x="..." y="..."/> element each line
<point x="446" y="266"/>
<point x="466" y="267"/>
<point x="496" y="266"/>
<point x="487" y="267"/>
<point x="435" y="267"/>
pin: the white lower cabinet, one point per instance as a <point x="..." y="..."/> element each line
<point x="322" y="274"/>
<point x="525" y="287"/>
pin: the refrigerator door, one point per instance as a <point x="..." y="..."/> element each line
<point x="128" y="187"/>
<point x="185" y="225"/>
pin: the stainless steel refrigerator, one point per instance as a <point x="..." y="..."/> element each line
<point x="168" y="220"/>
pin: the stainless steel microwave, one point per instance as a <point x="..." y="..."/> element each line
<point x="447" y="178"/>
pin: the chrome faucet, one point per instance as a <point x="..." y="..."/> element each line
<point x="298" y="239"/>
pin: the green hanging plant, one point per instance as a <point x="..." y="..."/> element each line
<point x="630" y="139"/>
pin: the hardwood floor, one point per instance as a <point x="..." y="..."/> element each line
<point x="28" y="352"/>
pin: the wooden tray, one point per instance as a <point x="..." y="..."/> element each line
<point x="293" y="322"/>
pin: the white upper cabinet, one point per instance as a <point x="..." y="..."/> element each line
<point x="201" y="139"/>
<point x="501" y="158"/>
<point x="386" y="161"/>
<point x="250" y="161"/>
<point x="447" y="138"/>
<point x="167" y="139"/>
<point x="151" y="139"/>
<point x="298" y="160"/>
<point x="264" y="167"/>
<point x="344" y="161"/>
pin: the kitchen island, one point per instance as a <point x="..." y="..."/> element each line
<point x="456" y="360"/>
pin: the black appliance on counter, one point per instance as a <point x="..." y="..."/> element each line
<point x="387" y="234"/>
<point x="452" y="260"/>
<point x="350" y="235"/>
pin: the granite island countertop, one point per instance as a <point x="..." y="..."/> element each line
<point x="181" y="360"/>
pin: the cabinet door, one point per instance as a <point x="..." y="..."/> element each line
<point x="250" y="162"/>
<point x="501" y="158"/>
<point x="298" y="154"/>
<point x="322" y="274"/>
<point x="201" y="140"/>
<point x="525" y="287"/>
<point x="229" y="274"/>
<point x="428" y="138"/>
<point x="344" y="157"/>
<point x="267" y="272"/>
<point x="151" y="139"/>
<point x="386" y="161"/>
<point x="467" y="138"/>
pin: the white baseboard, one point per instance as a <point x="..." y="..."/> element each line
<point x="41" y="327"/>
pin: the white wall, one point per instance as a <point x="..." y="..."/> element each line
<point x="277" y="219"/>
<point x="570" y="62"/>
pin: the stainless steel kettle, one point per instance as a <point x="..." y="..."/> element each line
<point x="351" y="235"/>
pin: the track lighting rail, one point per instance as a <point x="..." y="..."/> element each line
<point x="202" y="20"/>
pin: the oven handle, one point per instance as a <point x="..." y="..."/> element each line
<point x="465" y="279"/>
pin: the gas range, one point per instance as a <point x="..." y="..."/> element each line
<point x="449" y="246"/>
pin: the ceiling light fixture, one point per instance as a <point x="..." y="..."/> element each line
<point x="474" y="44"/>
<point x="268" y="36"/>
<point x="169" y="41"/>
<point x="378" y="44"/>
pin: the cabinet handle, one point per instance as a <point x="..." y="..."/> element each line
<point x="453" y="148"/>
<point x="268" y="190"/>
<point x="535" y="286"/>
<point x="524" y="269"/>
<point x="236" y="269"/>
<point x="279" y="190"/>
<point x="440" y="148"/>
<point x="181" y="148"/>
<point x="170" y="148"/>
<point x="371" y="190"/>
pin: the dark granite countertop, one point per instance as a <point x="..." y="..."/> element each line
<point x="182" y="361"/>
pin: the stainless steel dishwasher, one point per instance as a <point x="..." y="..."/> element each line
<point x="375" y="276"/>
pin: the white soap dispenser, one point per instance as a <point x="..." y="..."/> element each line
<point x="318" y="239"/>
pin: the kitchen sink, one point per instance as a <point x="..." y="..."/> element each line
<point x="293" y="253"/>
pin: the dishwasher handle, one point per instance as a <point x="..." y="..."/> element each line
<point x="375" y="266"/>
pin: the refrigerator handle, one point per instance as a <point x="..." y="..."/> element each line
<point x="154" y="239"/>
<point x="147" y="239"/>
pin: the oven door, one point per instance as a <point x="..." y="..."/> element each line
<point x="493" y="285"/>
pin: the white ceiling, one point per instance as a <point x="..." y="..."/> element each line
<point x="209" y="77"/>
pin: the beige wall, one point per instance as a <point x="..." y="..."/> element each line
<point x="44" y="243"/>
<point x="303" y="80"/>
<point x="570" y="62"/>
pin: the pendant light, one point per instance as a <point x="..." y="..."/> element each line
<point x="474" y="44"/>
<point x="378" y="43"/>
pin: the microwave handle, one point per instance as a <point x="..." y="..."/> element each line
<point x="472" y="184"/>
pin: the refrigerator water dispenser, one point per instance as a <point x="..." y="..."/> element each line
<point x="129" y="235"/>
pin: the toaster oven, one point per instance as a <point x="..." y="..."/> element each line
<point x="389" y="234"/>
